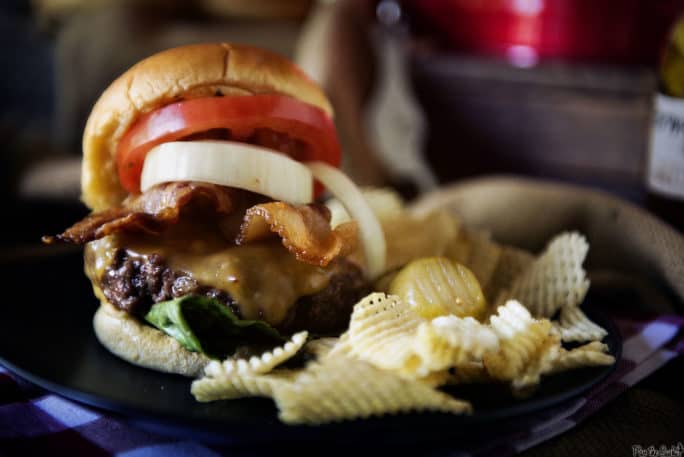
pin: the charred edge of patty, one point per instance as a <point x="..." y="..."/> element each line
<point x="135" y="283"/>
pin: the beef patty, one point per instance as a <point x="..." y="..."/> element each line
<point x="135" y="283"/>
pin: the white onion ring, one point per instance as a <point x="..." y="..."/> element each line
<point x="230" y="164"/>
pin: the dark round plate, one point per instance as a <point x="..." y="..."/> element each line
<point x="46" y="337"/>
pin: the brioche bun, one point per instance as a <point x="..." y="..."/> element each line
<point x="170" y="76"/>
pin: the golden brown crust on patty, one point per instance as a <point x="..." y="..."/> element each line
<point x="169" y="76"/>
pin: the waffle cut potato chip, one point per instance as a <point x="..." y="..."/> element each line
<point x="388" y="333"/>
<point x="411" y="237"/>
<point x="341" y="387"/>
<point x="521" y="338"/>
<point x="236" y="378"/>
<point x="470" y="373"/>
<point x="320" y="347"/>
<point x="554" y="280"/>
<point x="494" y="265"/>
<point x="511" y="264"/>
<point x="384" y="202"/>
<point x="382" y="331"/>
<point x="262" y="364"/>
<point x="590" y="354"/>
<point x="477" y="251"/>
<point x="434" y="378"/>
<point x="553" y="358"/>
<point x="452" y="342"/>
<point x="437" y="286"/>
<point x="539" y="364"/>
<point x="240" y="385"/>
<point x="408" y="234"/>
<point x="575" y="326"/>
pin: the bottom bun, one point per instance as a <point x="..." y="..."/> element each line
<point x="128" y="338"/>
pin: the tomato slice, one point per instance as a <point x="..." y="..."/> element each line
<point x="244" y="116"/>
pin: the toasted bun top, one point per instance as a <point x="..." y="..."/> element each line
<point x="170" y="76"/>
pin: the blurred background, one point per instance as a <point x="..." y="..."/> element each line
<point x="425" y="91"/>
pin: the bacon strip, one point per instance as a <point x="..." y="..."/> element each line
<point x="305" y="231"/>
<point x="166" y="200"/>
<point x="150" y="212"/>
<point x="98" y="225"/>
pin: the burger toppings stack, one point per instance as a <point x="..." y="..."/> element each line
<point x="202" y="165"/>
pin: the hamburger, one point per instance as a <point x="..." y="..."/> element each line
<point x="201" y="165"/>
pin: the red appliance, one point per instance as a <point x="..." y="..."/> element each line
<point x="615" y="31"/>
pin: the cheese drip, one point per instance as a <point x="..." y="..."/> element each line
<point x="263" y="278"/>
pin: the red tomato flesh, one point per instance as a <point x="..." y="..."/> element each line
<point x="303" y="131"/>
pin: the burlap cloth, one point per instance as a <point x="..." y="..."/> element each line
<point x="632" y="253"/>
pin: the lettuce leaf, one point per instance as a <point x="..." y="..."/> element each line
<point x="203" y="324"/>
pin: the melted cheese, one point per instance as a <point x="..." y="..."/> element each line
<point x="264" y="278"/>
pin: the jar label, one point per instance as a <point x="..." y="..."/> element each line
<point x="665" y="173"/>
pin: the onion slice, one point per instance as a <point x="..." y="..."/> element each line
<point x="230" y="164"/>
<point x="355" y="203"/>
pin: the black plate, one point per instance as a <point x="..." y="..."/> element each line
<point x="46" y="337"/>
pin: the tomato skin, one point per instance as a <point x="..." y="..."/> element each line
<point x="242" y="115"/>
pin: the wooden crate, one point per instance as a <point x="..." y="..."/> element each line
<point x="579" y="123"/>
